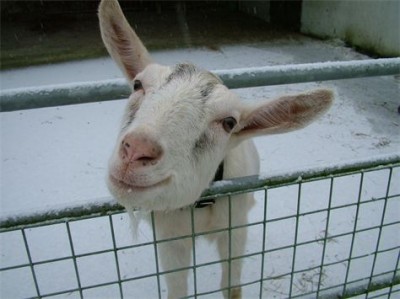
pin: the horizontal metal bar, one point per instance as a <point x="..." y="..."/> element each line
<point x="218" y="189"/>
<point x="88" y="92"/>
<point x="309" y="72"/>
<point x="375" y="286"/>
<point x="69" y="213"/>
<point x="231" y="187"/>
<point x="63" y="94"/>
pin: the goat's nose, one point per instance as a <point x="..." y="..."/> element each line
<point x="140" y="150"/>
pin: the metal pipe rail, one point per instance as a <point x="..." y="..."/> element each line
<point x="217" y="189"/>
<point x="87" y="92"/>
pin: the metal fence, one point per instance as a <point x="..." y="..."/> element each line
<point x="87" y="92"/>
<point x="353" y="249"/>
<point x="319" y="233"/>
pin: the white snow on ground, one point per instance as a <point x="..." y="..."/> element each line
<point x="53" y="157"/>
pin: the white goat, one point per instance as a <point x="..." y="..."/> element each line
<point x="180" y="123"/>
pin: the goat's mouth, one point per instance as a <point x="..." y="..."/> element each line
<point x="128" y="187"/>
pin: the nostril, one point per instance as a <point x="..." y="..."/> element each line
<point x="124" y="150"/>
<point x="145" y="161"/>
<point x="143" y="155"/>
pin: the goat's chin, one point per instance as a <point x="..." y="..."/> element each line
<point x="130" y="187"/>
<point x="163" y="196"/>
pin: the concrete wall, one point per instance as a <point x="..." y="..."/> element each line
<point x="372" y="25"/>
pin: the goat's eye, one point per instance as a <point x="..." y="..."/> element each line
<point x="137" y="85"/>
<point x="229" y="123"/>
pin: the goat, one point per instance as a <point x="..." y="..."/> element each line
<point x="179" y="125"/>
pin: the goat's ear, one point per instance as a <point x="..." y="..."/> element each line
<point x="121" y="41"/>
<point x="285" y="114"/>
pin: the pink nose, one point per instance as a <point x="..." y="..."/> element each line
<point x="140" y="150"/>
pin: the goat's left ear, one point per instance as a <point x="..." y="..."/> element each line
<point x="121" y="41"/>
<point x="284" y="114"/>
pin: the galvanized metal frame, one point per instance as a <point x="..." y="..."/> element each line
<point x="88" y="92"/>
<point x="388" y="281"/>
<point x="365" y="286"/>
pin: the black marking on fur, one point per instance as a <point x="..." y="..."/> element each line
<point x="207" y="80"/>
<point x="183" y="70"/>
<point x="131" y="113"/>
<point x="202" y="142"/>
<point x="206" y="90"/>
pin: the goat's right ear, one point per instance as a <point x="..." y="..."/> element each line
<point x="121" y="41"/>
<point x="285" y="114"/>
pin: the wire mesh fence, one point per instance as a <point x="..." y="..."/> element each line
<point x="320" y="233"/>
<point x="324" y="233"/>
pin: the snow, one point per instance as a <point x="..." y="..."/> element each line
<point x="229" y="57"/>
<point x="56" y="157"/>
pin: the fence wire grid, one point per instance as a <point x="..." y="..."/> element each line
<point x="336" y="237"/>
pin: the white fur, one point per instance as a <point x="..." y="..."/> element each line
<point x="181" y="111"/>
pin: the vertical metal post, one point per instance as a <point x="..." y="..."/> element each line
<point x="229" y="246"/>
<point x="74" y="259"/>
<point x="394" y="275"/>
<point x="380" y="230"/>
<point x="194" y="251"/>
<point x="156" y="254"/>
<point x="28" y="252"/>
<point x="295" y="240"/>
<point x="116" y="257"/>
<point x="263" y="244"/>
<point x="326" y="235"/>
<point x="353" y="235"/>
